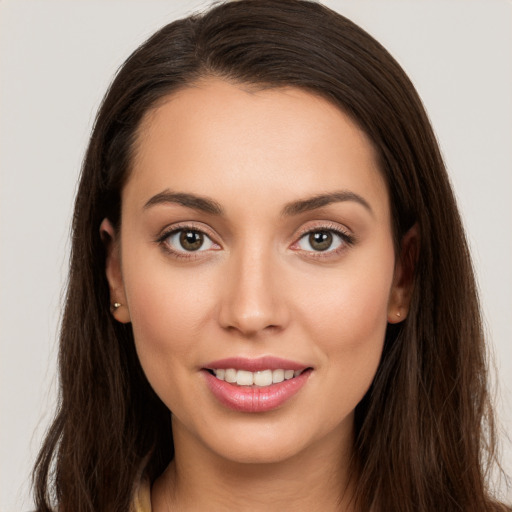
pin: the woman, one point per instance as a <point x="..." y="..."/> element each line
<point x="271" y="304"/>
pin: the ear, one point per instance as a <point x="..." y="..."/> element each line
<point x="403" y="279"/>
<point x="118" y="303"/>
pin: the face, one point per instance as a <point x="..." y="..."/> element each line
<point x="255" y="245"/>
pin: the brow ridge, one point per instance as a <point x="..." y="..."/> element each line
<point x="208" y="205"/>
<point x="194" y="201"/>
<point x="320" y="200"/>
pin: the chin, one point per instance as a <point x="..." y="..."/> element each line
<point x="271" y="453"/>
<point x="265" y="442"/>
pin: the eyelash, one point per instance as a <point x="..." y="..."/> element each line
<point x="184" y="255"/>
<point x="347" y="240"/>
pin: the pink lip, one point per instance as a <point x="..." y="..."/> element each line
<point x="256" y="365"/>
<point x="253" y="398"/>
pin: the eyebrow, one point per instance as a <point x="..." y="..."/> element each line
<point x="318" y="201"/>
<point x="208" y="205"/>
<point x="200" y="203"/>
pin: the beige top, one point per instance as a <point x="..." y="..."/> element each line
<point x="142" y="497"/>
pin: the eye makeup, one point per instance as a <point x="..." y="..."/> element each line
<point x="330" y="240"/>
<point x="321" y="241"/>
<point x="193" y="239"/>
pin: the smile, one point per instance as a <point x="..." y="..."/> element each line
<point x="255" y="385"/>
<point x="261" y="378"/>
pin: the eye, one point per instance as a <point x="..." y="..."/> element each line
<point x="323" y="240"/>
<point x="188" y="240"/>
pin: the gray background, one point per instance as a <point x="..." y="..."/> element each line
<point x="56" y="60"/>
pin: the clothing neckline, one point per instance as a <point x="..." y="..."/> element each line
<point x="142" y="496"/>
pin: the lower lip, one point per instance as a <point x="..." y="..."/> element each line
<point x="254" y="398"/>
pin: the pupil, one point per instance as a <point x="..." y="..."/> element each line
<point x="191" y="240"/>
<point x="320" y="240"/>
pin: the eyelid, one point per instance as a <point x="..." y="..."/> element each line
<point x="348" y="238"/>
<point x="183" y="226"/>
<point x="325" y="226"/>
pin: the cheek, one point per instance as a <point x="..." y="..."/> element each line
<point x="168" y="309"/>
<point x="351" y="333"/>
<point x="349" y="319"/>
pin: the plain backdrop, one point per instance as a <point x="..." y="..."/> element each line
<point x="57" y="59"/>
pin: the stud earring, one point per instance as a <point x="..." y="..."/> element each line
<point x="116" y="306"/>
<point x="398" y="314"/>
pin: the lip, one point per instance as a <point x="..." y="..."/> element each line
<point x="254" y="399"/>
<point x="256" y="365"/>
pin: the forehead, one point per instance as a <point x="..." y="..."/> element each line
<point x="222" y="137"/>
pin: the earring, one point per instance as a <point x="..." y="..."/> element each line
<point x="115" y="306"/>
<point x="398" y="314"/>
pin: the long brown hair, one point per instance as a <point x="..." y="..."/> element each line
<point x="424" y="431"/>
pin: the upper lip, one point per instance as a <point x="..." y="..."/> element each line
<point x="257" y="364"/>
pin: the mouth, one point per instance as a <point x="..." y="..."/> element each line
<point x="255" y="385"/>
<point x="261" y="378"/>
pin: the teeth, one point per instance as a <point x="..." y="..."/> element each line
<point x="230" y="375"/>
<point x="277" y="376"/>
<point x="262" y="378"/>
<point x="244" y="378"/>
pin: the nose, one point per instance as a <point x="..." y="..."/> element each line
<point x="253" y="296"/>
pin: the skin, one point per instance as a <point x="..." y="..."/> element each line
<point x="260" y="288"/>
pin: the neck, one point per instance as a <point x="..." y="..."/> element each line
<point x="315" y="479"/>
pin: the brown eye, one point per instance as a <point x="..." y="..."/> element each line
<point x="191" y="240"/>
<point x="323" y="240"/>
<point x="320" y="240"/>
<point x="188" y="240"/>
